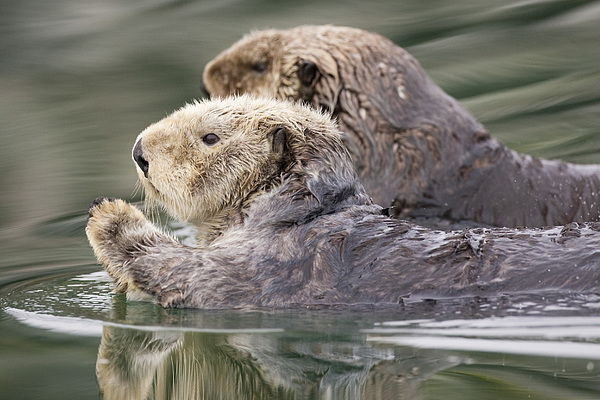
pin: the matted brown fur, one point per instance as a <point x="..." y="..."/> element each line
<point x="287" y="224"/>
<point x="414" y="147"/>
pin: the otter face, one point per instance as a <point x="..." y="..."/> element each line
<point x="286" y="65"/>
<point x="251" y="66"/>
<point x="204" y="160"/>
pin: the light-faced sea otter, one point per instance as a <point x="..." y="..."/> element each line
<point x="415" y="148"/>
<point x="286" y="223"/>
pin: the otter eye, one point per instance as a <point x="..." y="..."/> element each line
<point x="307" y="72"/>
<point x="210" y="139"/>
<point x="259" y="68"/>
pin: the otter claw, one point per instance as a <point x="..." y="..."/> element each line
<point x="97" y="201"/>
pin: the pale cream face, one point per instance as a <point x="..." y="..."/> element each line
<point x="201" y="160"/>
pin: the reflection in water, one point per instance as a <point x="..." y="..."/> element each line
<point x="170" y="364"/>
<point x="324" y="356"/>
<point x="284" y="356"/>
<point x="199" y="365"/>
<point x="163" y="365"/>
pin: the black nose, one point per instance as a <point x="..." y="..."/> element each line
<point x="204" y="90"/>
<point x="138" y="157"/>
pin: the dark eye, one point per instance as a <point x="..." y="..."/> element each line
<point x="259" y="67"/>
<point x="210" y="139"/>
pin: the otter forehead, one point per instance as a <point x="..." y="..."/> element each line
<point x="257" y="47"/>
<point x="246" y="113"/>
<point x="265" y="45"/>
<point x="193" y="120"/>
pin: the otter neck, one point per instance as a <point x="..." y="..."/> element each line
<point x="320" y="181"/>
<point x="212" y="227"/>
<point x="234" y="212"/>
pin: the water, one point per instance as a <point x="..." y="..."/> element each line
<point x="80" y="80"/>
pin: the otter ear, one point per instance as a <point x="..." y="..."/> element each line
<point x="308" y="73"/>
<point x="278" y="138"/>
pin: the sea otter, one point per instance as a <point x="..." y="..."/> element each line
<point x="415" y="148"/>
<point x="286" y="223"/>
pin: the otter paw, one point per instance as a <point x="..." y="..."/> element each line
<point x="121" y="235"/>
<point x="109" y="208"/>
<point x="114" y="222"/>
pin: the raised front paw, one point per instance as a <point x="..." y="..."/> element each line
<point x="113" y="221"/>
<point x="126" y="244"/>
<point x="118" y="232"/>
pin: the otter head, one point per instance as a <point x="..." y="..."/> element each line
<point x="252" y="66"/>
<point x="295" y="64"/>
<point x="204" y="161"/>
<point x="208" y="161"/>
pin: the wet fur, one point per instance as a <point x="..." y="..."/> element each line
<point x="301" y="230"/>
<point x="414" y="147"/>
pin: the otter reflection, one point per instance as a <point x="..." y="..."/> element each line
<point x="332" y="355"/>
<point x="137" y="364"/>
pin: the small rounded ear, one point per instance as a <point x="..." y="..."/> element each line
<point x="278" y="138"/>
<point x="308" y="73"/>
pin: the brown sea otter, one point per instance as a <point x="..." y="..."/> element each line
<point x="286" y="223"/>
<point x="414" y="147"/>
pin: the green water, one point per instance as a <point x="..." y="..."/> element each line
<point x="80" y="79"/>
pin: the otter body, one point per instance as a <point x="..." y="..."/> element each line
<point x="287" y="223"/>
<point x="414" y="147"/>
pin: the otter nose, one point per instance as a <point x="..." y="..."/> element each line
<point x="138" y="157"/>
<point x="204" y="90"/>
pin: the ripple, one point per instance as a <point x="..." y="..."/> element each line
<point x="546" y="336"/>
<point x="87" y="295"/>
